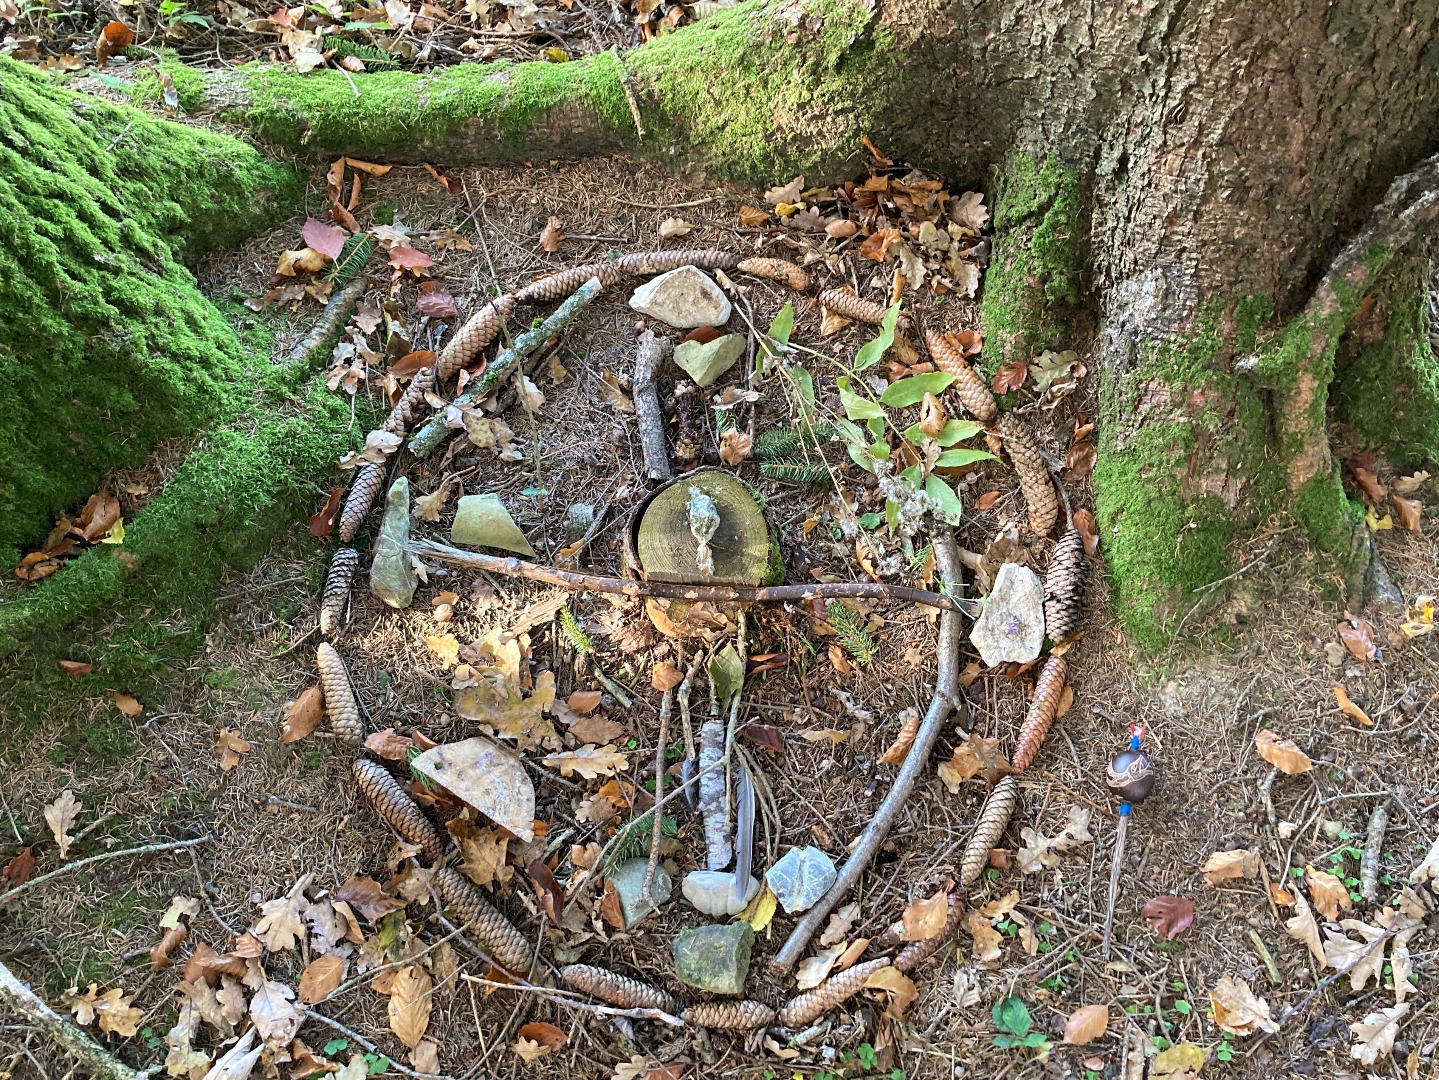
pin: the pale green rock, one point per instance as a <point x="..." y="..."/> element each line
<point x="704" y="363"/>
<point x="483" y="521"/>
<point x="714" y="958"/>
<point x="392" y="574"/>
<point x="629" y="880"/>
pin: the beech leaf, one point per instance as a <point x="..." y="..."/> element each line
<point x="1282" y="753"/>
<point x="1085" y="1024"/>
<point x="1169" y="916"/>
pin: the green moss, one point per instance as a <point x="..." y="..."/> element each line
<point x="188" y="84"/>
<point x="1326" y="514"/>
<point x="1387" y="389"/>
<point x="106" y="344"/>
<point x="1034" y="280"/>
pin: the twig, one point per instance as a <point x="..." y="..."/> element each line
<point x="147" y="849"/>
<point x="1267" y="957"/>
<point x="351" y="1033"/>
<point x="332" y="320"/>
<point x="648" y="356"/>
<point x="205" y="893"/>
<point x="85" y="1049"/>
<point x="562" y="997"/>
<point x="657" y="829"/>
<point x="945" y="698"/>
<point x="628" y="85"/>
<point x="1373" y="850"/>
<point x="720" y="594"/>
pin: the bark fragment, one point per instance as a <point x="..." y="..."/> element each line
<point x="719" y="849"/>
<point x="649" y="354"/>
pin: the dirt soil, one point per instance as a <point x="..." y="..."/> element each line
<point x="1272" y="660"/>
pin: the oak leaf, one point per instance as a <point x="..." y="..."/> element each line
<point x="60" y="815"/>
<point x="1302" y="927"/>
<point x="1373" y="1037"/>
<point x="552" y="235"/>
<point x="899" y="749"/>
<point x="1237" y="1010"/>
<point x="1331" y="895"/>
<point x="590" y="762"/>
<point x="1361" y="961"/>
<point x="112" y="1009"/>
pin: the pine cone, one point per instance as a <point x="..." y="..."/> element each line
<point x="561" y="283"/>
<point x="993" y="817"/>
<point x="363" y="491"/>
<point x="394" y="805"/>
<point x="644" y="263"/>
<point x="973" y="392"/>
<point x="1047" y="691"/>
<point x="501" y="939"/>
<point x="411" y="402"/>
<point x="728" y="1015"/>
<point x="336" y="596"/>
<point x="618" y="990"/>
<point x="1033" y="476"/>
<point x="781" y="270"/>
<point x="845" y="303"/>
<point x="339" y="698"/>
<point x="479" y="330"/>
<point x="1064" y="587"/>
<point x="837" y="989"/>
<point x="913" y="954"/>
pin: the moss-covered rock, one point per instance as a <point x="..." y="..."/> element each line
<point x="106" y="344"/>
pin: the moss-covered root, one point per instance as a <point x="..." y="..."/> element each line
<point x="1033" y="284"/>
<point x="751" y="93"/>
<point x="106" y="345"/>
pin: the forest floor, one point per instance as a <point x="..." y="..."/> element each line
<point x="278" y="812"/>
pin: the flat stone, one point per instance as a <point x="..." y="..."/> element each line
<point x="392" y="573"/>
<point x="1011" y="627"/>
<point x="483" y="521"/>
<point x="714" y="958"/>
<point x="629" y="879"/>
<point x="715" y="892"/>
<point x="684" y="298"/>
<point x="800" y="878"/>
<point x="705" y="362"/>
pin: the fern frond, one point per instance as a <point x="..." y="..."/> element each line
<point x="636" y="840"/>
<point x="796" y="471"/>
<point x="786" y="442"/>
<point x="375" y="59"/>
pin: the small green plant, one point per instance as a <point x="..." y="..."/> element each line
<point x="353" y="257"/>
<point x="636" y="841"/>
<point x="175" y="12"/>
<point x="1011" y="1017"/>
<point x="867" y="1057"/>
<point x="1225" y="1050"/>
<point x="852" y="635"/>
<point x="575" y="633"/>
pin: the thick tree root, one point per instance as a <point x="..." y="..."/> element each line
<point x="315" y="346"/>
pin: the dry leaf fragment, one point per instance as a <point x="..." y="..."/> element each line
<point x="1374" y="1036"/>
<point x="320" y="978"/>
<point x="279" y="925"/>
<point x="230" y="748"/>
<point x="410" y="1003"/>
<point x="899" y="986"/>
<point x="1407" y="511"/>
<point x="1361" y="961"/>
<point x="591" y="762"/>
<point x="925" y="918"/>
<point x="552" y="235"/>
<point x="1223" y="865"/>
<point x="665" y="676"/>
<point x="1282" y="753"/>
<point x="1348" y="708"/>
<point x="674" y="226"/>
<point x="76" y="667"/>
<point x="735" y="446"/>
<point x="112" y="1009"/>
<point x="976" y="756"/>
<point x="813" y="970"/>
<point x="1330" y="895"/>
<point x="436" y="301"/>
<point x="1010" y="377"/>
<point x="596" y="729"/>
<point x="128" y="705"/>
<point x="1182" y="1061"/>
<point x="988" y="942"/>
<point x="1237" y="1010"/>
<point x="1358" y="638"/>
<point x="60" y="815"/>
<point x="115" y="38"/>
<point x="899" y="749"/>
<point x="364" y="894"/>
<point x="838" y="927"/>
<point x="1302" y="927"/>
<point x="18" y="870"/>
<point x="1085" y="1024"/>
<point x="1169" y="916"/>
<point x="303" y="715"/>
<point x="276" y="1019"/>
<point x="169" y="941"/>
<point x="328" y="240"/>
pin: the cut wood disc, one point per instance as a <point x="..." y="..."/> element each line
<point x="666" y="549"/>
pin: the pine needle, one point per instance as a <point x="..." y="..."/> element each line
<point x="571" y="628"/>
<point x="353" y="257"/>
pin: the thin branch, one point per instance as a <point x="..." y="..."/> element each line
<point x="564" y="998"/>
<point x="350" y="1033"/>
<point x="86" y="1050"/>
<point x="945" y="698"/>
<point x="719" y="594"/>
<point x="147" y="849"/>
<point x="657" y="830"/>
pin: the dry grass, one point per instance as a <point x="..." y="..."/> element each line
<point x="289" y="810"/>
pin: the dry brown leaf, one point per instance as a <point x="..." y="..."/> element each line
<point x="813" y="970"/>
<point x="1407" y="511"/>
<point x="76" y="667"/>
<point x="1169" y="916"/>
<point x="899" y="986"/>
<point x="1224" y="865"/>
<point x="1331" y="896"/>
<point x="735" y="446"/>
<point x="1355" y="957"/>
<point x="1085" y="1024"/>
<point x="1358" y="638"/>
<point x="1237" y="1010"/>
<point x="596" y="729"/>
<point x="320" y="978"/>
<point x="752" y="217"/>
<point x="114" y="39"/>
<point x="925" y="918"/>
<point x="160" y="955"/>
<point x="1010" y="377"/>
<point x="483" y="852"/>
<point x="303" y="715"/>
<point x="552" y="235"/>
<point x="280" y="926"/>
<point x="976" y="756"/>
<point x="584" y="701"/>
<point x="127" y="704"/>
<point x="1302" y="927"/>
<point x="18" y="870"/>
<point x="1373" y="1037"/>
<point x="112" y="1009"/>
<point x="446" y="647"/>
<point x="364" y="894"/>
<point x="1348" y="708"/>
<point x="410" y="1003"/>
<point x="1282" y="753"/>
<point x="899" y="749"/>
<point x="425" y="1057"/>
<point x="832" y="735"/>
<point x="60" y="815"/>
<point x="275" y="1018"/>
<point x="988" y="942"/>
<point x="230" y="748"/>
<point x="546" y="1035"/>
<point x="665" y="676"/>
<point x="591" y="762"/>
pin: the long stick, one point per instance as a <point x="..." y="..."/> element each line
<point x="148" y="849"/>
<point x="85" y="1049"/>
<point x="945" y="698"/>
<point x="720" y="594"/>
<point x="657" y="830"/>
<point x="1114" y="869"/>
<point x="648" y="356"/>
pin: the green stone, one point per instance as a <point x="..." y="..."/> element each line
<point x="706" y="362"/>
<point x="483" y="521"/>
<point x="392" y="574"/>
<point x="714" y="958"/>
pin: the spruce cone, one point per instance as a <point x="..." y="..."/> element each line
<point x="1047" y="692"/>
<point x="1064" y="587"/>
<point x="993" y="817"/>
<point x="403" y="414"/>
<point x="337" y="591"/>
<point x="363" y="492"/>
<point x="1033" y="476"/>
<point x="339" y="698"/>
<point x="505" y="944"/>
<point x="561" y="283"/>
<point x="781" y="270"/>
<point x="479" y="330"/>
<point x="394" y="805"/>
<point x="917" y="951"/>
<point x="845" y="303"/>
<point x="728" y="1015"/>
<point x="837" y="989"/>
<point x="973" y="392"/>
<point x="618" y="990"/>
<point x="644" y="263"/>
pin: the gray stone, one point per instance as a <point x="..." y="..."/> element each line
<point x="684" y="298"/>
<point x="483" y="521"/>
<point x="714" y="958"/>
<point x="715" y="892"/>
<point x="392" y="573"/>
<point x="707" y="361"/>
<point x="629" y="879"/>
<point x="800" y="878"/>
<point x="1011" y="627"/>
<point x="578" y="520"/>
